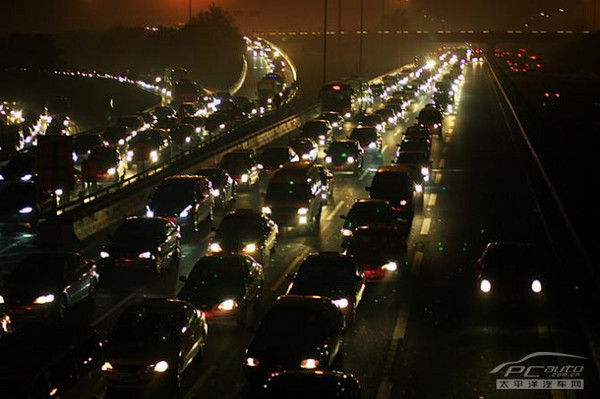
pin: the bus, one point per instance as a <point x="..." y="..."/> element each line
<point x="350" y="96"/>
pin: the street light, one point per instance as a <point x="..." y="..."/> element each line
<point x="360" y="46"/>
<point x="324" y="41"/>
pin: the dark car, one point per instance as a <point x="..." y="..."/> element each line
<point x="273" y="158"/>
<point x="510" y="270"/>
<point x="47" y="284"/>
<point x="83" y="145"/>
<point x="374" y="120"/>
<point x="148" y="147"/>
<point x="335" y="118"/>
<point x="418" y="158"/>
<point x="345" y="155"/>
<point x="395" y="185"/>
<point x="224" y="188"/>
<point x="389" y="116"/>
<point x="432" y="118"/>
<point x="248" y="106"/>
<point x="24" y="203"/>
<point x="417" y="130"/>
<point x="247" y="232"/>
<point x="197" y="121"/>
<point x="184" y="199"/>
<point x="421" y="144"/>
<point x="167" y="123"/>
<point x="103" y="165"/>
<point x="242" y="165"/>
<point x="306" y="148"/>
<point x="183" y="134"/>
<point x="11" y="139"/>
<point x="153" y="343"/>
<point x="332" y="275"/>
<point x="19" y="168"/>
<point x="444" y="102"/>
<point x="52" y="359"/>
<point x="320" y="130"/>
<point x="365" y="212"/>
<point x="291" y="336"/>
<point x="59" y="125"/>
<point x="379" y="250"/>
<point x="217" y="122"/>
<point x="134" y="122"/>
<point x="313" y="384"/>
<point x="164" y="111"/>
<point x="142" y="242"/>
<point x="369" y="139"/>
<point x="118" y="136"/>
<point x="224" y="287"/>
<point x="148" y="118"/>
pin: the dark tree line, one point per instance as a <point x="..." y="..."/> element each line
<point x="37" y="52"/>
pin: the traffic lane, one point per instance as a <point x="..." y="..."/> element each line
<point x="454" y="339"/>
<point x="257" y="68"/>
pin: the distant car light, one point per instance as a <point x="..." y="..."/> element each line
<point x="215" y="247"/>
<point x="43" y="299"/>
<point x="390" y="266"/>
<point x="485" y="286"/>
<point x="536" y="286"/>
<point x="341" y="303"/>
<point x="309" y="364"/>
<point x="227" y="305"/>
<point x="26" y="210"/>
<point x="250" y="248"/>
<point x="104" y="254"/>
<point x="145" y="255"/>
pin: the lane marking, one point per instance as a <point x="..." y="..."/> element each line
<point x="364" y="174"/>
<point x="442" y="163"/>
<point x="125" y="301"/>
<point x="438" y="178"/>
<point x="331" y="215"/>
<point x="291" y="267"/>
<point x="384" y="148"/>
<point x="200" y="381"/>
<point x="426" y="226"/>
<point x="432" y="199"/>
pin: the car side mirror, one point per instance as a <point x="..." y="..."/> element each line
<point x="183" y="279"/>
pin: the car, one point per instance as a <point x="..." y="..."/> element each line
<point x="11" y="139"/>
<point x="314" y="384"/>
<point x="306" y="148"/>
<point x="118" y="136"/>
<point x="370" y="140"/>
<point x="48" y="284"/>
<point x="149" y="147"/>
<point x="374" y="120"/>
<point x="291" y="336"/>
<point x="366" y="212"/>
<point x="444" y="102"/>
<point x="243" y="166"/>
<point x="378" y="249"/>
<point x="217" y="122"/>
<point x="510" y="271"/>
<point x="418" y="158"/>
<point x="327" y="181"/>
<point x="60" y="125"/>
<point x="152" y="344"/>
<point x="52" y="359"/>
<point x="335" y="118"/>
<point x="247" y="232"/>
<point x="197" y="121"/>
<point x="247" y="105"/>
<point x="417" y="130"/>
<point x="184" y="199"/>
<point x="320" y="130"/>
<point x="224" y="188"/>
<point x="225" y="287"/>
<point x="19" y="168"/>
<point x="432" y="118"/>
<point x="414" y="144"/>
<point x="166" y="122"/>
<point x="393" y="184"/>
<point x="164" y="111"/>
<point x="389" y="116"/>
<point x="148" y="118"/>
<point x="344" y="155"/>
<point x="24" y="203"/>
<point x="83" y="145"/>
<point x="183" y="134"/>
<point x="332" y="275"/>
<point x="103" y="165"/>
<point x="294" y="197"/>
<point x="134" y="122"/>
<point x="273" y="158"/>
<point x="187" y="108"/>
<point x="142" y="242"/>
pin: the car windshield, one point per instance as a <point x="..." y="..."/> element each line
<point x="172" y="195"/>
<point x="240" y="224"/>
<point x="412" y="157"/>
<point x="21" y="163"/>
<point x="374" y="240"/>
<point x="339" y="147"/>
<point x="103" y="155"/>
<point x="145" y="325"/>
<point x="152" y="138"/>
<point x="363" y="135"/>
<point x="394" y="185"/>
<point x="293" y="319"/>
<point x="275" y="156"/>
<point x="314" y="127"/>
<point x="332" y="272"/>
<point x="41" y="268"/>
<point x="367" y="213"/>
<point x="136" y="231"/>
<point x="370" y="120"/>
<point x="287" y="191"/>
<point x="429" y="115"/>
<point x="236" y="163"/>
<point x="86" y="142"/>
<point x="302" y="146"/>
<point x="115" y="133"/>
<point x="216" y="270"/>
<point x="216" y="176"/>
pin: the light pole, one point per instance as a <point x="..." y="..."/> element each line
<point x="324" y="41"/>
<point x="360" y="42"/>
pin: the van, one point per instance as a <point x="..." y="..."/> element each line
<point x="294" y="196"/>
<point x="52" y="359"/>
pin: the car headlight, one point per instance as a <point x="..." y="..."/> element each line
<point x="1" y="177"/>
<point x="1" y="299"/>
<point x="159" y="367"/>
<point x="536" y="286"/>
<point x="42" y="299"/>
<point x="424" y="171"/>
<point x="121" y="142"/>
<point x="227" y="305"/>
<point x="154" y="156"/>
<point x="104" y="254"/>
<point x="130" y="154"/>
<point x="149" y="212"/>
<point x="350" y="159"/>
<point x="419" y="188"/>
<point x="145" y="255"/>
<point x="403" y="202"/>
<point x="185" y="212"/>
<point x="341" y="303"/>
<point x="250" y="248"/>
<point x="267" y="210"/>
<point x="390" y="266"/>
<point x="26" y="177"/>
<point x="111" y="171"/>
<point x="244" y="178"/>
<point x="303" y="211"/>
<point x="372" y="144"/>
<point x="346" y="232"/>
<point x="327" y="159"/>
<point x="251" y="362"/>
<point x="216" y="192"/>
<point x="215" y="247"/>
<point x="26" y="210"/>
<point x="107" y="366"/>
<point x="485" y="286"/>
<point x="334" y="124"/>
<point x="309" y="364"/>
<point x="305" y="156"/>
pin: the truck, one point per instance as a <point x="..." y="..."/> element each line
<point x="270" y="90"/>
